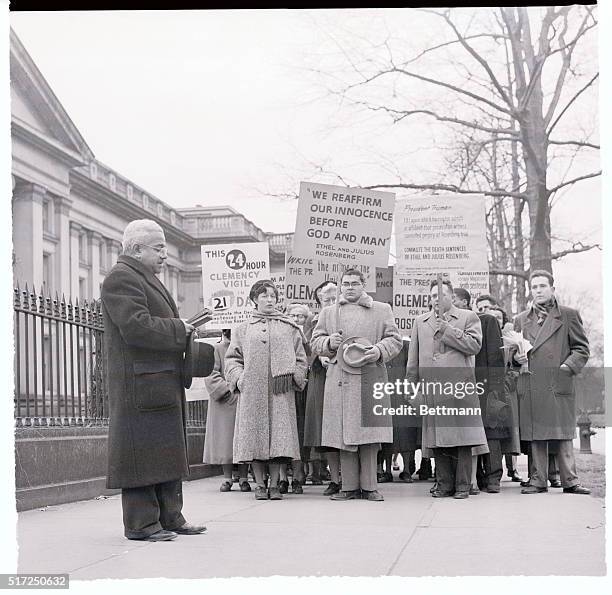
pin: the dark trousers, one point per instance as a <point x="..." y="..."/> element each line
<point x="149" y="509"/>
<point x="492" y="462"/>
<point x="565" y="460"/>
<point x="453" y="468"/>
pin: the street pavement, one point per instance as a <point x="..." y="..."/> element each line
<point x="409" y="534"/>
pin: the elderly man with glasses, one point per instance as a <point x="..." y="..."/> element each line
<point x="144" y="340"/>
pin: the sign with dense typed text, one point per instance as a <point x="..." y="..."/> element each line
<point x="437" y="234"/>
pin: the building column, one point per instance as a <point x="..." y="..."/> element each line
<point x="62" y="268"/>
<point x="75" y="231"/>
<point x="94" y="245"/>
<point x="28" y="234"/>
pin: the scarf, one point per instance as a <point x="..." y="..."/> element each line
<point x="542" y="310"/>
<point x="281" y="352"/>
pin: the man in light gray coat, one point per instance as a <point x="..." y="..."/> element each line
<point x="442" y="350"/>
<point x="356" y="315"/>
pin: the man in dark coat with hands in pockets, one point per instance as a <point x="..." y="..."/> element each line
<point x="145" y="341"/>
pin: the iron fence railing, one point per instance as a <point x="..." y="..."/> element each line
<point x="60" y="377"/>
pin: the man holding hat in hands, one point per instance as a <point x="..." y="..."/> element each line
<point x="358" y="335"/>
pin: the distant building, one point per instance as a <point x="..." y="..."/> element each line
<point x="69" y="209"/>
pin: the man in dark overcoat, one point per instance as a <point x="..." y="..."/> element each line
<point x="489" y="370"/>
<point x="145" y="341"/>
<point x="547" y="398"/>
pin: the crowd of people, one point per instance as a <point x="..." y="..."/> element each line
<point x="290" y="390"/>
<point x="292" y="386"/>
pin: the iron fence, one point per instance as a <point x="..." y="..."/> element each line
<point x="60" y="377"/>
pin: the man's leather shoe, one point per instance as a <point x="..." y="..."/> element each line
<point x="461" y="495"/>
<point x="533" y="490"/>
<point x="405" y="477"/>
<point x="332" y="488"/>
<point x="493" y="489"/>
<point x="275" y="494"/>
<point x="261" y="493"/>
<point x="577" y="489"/>
<point x="188" y="529"/>
<point x="226" y="486"/>
<point x="245" y="486"/>
<point x="161" y="535"/>
<point x="516" y="477"/>
<point x="373" y="495"/>
<point x="296" y="487"/>
<point x="283" y="486"/>
<point x="474" y="491"/>
<point x="347" y="495"/>
<point x="526" y="483"/>
<point x="555" y="483"/>
<point x="439" y="494"/>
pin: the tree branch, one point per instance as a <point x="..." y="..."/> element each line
<point x="520" y="274"/>
<point x="451" y="87"/>
<point x="399" y="115"/>
<point x="447" y="188"/>
<point x="573" y="181"/>
<point x="574" y="142"/>
<point x="502" y="93"/>
<point x="570" y="102"/>
<point x="576" y="248"/>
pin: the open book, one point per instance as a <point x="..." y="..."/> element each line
<point x="203" y="316"/>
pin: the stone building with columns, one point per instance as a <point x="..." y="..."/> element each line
<point x="69" y="209"/>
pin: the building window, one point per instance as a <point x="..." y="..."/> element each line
<point x="129" y="191"/>
<point x="145" y="201"/>
<point x="112" y="181"/>
<point x="82" y="288"/>
<point x="83" y="248"/>
<point x="93" y="170"/>
<point x="47" y="273"/>
<point x="47" y="215"/>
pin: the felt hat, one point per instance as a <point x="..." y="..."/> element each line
<point x="350" y="355"/>
<point x="199" y="360"/>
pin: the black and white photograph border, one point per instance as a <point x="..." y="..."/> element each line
<point x="206" y="122"/>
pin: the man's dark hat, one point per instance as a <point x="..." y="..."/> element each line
<point x="199" y="360"/>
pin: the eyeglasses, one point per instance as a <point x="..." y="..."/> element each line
<point x="162" y="251"/>
<point x="353" y="284"/>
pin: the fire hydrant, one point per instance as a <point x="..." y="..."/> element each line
<point x="584" y="427"/>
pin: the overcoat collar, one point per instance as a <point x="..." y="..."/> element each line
<point x="364" y="300"/>
<point x="151" y="279"/>
<point x="551" y="325"/>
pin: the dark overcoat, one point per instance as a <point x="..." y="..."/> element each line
<point x="547" y="398"/>
<point x="490" y="370"/>
<point x="144" y="342"/>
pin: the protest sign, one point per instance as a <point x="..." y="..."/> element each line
<point x="278" y="278"/>
<point x="338" y="228"/>
<point x="384" y="285"/>
<point x="228" y="273"/>
<point x="446" y="234"/>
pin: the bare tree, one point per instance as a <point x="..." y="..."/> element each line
<point x="515" y="76"/>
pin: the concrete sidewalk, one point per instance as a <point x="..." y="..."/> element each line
<point x="410" y="534"/>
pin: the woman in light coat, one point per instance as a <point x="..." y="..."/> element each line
<point x="266" y="362"/>
<point x="220" y="420"/>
